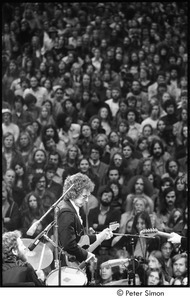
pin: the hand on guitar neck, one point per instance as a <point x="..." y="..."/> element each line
<point x="100" y="237"/>
<point x="151" y="232"/>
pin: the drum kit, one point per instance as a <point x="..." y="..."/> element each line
<point x="42" y="256"/>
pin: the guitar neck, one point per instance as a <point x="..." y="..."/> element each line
<point x="164" y="234"/>
<point x="93" y="246"/>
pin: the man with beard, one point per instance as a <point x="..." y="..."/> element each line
<point x="172" y="170"/>
<point x="114" y="101"/>
<point x="159" y="157"/>
<point x="142" y="97"/>
<point x="179" y="268"/>
<point x="16" y="270"/>
<point x="101" y="216"/>
<point x="170" y="118"/>
<point x="134" y="126"/>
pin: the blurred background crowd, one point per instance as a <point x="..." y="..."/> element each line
<point x="101" y="89"/>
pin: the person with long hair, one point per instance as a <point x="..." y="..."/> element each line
<point x="8" y="125"/>
<point x="45" y="118"/>
<point x="25" y="146"/>
<point x="70" y="227"/>
<point x="167" y="207"/>
<point x="10" y="210"/>
<point x="96" y="127"/>
<point x="128" y="150"/>
<point x="154" y="277"/>
<point x="105" y="119"/>
<point x="10" y="153"/>
<point x="139" y="186"/>
<point x="73" y="155"/>
<point x="50" y="130"/>
<point x="37" y="163"/>
<point x="181" y="192"/>
<point x="30" y="213"/>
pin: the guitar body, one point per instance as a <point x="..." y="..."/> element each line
<point x="84" y="242"/>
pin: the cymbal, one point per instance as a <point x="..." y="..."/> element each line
<point x="34" y="256"/>
<point x="117" y="282"/>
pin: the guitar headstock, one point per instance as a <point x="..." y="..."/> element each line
<point x="149" y="232"/>
<point x="113" y="226"/>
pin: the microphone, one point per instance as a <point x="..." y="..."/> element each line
<point x="39" y="236"/>
<point x="83" y="264"/>
<point x="33" y="228"/>
<point x="116" y="262"/>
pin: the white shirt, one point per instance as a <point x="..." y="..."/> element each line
<point x="77" y="210"/>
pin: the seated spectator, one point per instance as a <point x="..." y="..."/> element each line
<point x="10" y="210"/>
<point x="37" y="163"/>
<point x="55" y="159"/>
<point x="67" y="129"/>
<point x="25" y="146"/>
<point x="98" y="167"/>
<point x="20" y="117"/>
<point x="131" y="162"/>
<point x="45" y="118"/>
<point x="139" y="186"/>
<point x="114" y="142"/>
<point x="156" y="260"/>
<point x="30" y="102"/>
<point x="85" y="167"/>
<point x="40" y="93"/>
<point x="96" y="127"/>
<point x="166" y="208"/>
<point x="159" y="157"/>
<point x="9" y="152"/>
<point x="179" y="273"/>
<point x="31" y="212"/>
<point x="118" y="198"/>
<point x="172" y="169"/>
<point x="100" y="217"/>
<point x="134" y="126"/>
<point x="154" y="277"/>
<point x="55" y="188"/>
<point x="105" y="119"/>
<point x="8" y="125"/>
<point x="51" y="130"/>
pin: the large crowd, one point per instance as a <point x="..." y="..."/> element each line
<point x="101" y="89"/>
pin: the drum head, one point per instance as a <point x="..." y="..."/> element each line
<point x="69" y="277"/>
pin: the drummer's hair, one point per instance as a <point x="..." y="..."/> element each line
<point x="79" y="181"/>
<point x="9" y="243"/>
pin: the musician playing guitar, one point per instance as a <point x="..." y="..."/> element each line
<point x="70" y="227"/>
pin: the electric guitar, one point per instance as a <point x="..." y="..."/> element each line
<point x="85" y="241"/>
<point x="151" y="232"/>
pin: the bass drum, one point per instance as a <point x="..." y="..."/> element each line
<point x="69" y="277"/>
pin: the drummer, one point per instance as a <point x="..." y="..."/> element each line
<point x="16" y="271"/>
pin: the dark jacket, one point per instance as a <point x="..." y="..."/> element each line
<point x="70" y="231"/>
<point x="113" y="215"/>
<point x="15" y="218"/>
<point x="19" y="273"/>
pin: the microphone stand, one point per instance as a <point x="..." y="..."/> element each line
<point x="56" y="261"/>
<point x="86" y="213"/>
<point x="58" y="264"/>
<point x="56" y="229"/>
<point x="133" y="260"/>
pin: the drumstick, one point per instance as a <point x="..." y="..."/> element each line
<point x="41" y="257"/>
